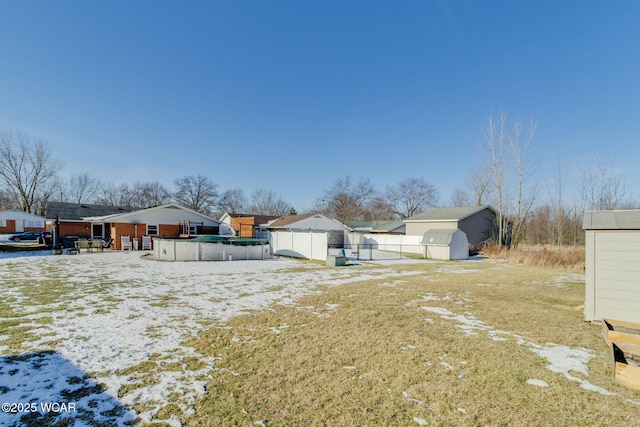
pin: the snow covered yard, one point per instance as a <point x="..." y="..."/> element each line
<point x="106" y="338"/>
<point x="104" y="332"/>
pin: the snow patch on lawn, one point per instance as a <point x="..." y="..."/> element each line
<point x="560" y="358"/>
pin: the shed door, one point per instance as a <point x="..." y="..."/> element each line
<point x="617" y="275"/>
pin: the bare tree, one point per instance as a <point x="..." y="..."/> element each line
<point x="412" y="196"/>
<point x="112" y="195"/>
<point x="196" y="192"/>
<point x="520" y="138"/>
<point x="602" y="188"/>
<point x="346" y="199"/>
<point x="267" y="202"/>
<point x="494" y="141"/>
<point x="507" y="152"/>
<point x="459" y="197"/>
<point x="480" y="188"/>
<point x="28" y="171"/>
<point x="149" y="194"/>
<point x="232" y="201"/>
<point x="379" y="209"/>
<point x="82" y="188"/>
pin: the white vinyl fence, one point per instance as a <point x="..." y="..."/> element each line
<point x="300" y="244"/>
<point x="383" y="242"/>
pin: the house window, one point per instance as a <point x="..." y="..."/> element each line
<point x="3" y="223"/>
<point x="152" y="230"/>
<point x="34" y="224"/>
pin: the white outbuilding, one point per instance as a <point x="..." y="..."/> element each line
<point x="445" y="244"/>
<point x="612" y="265"/>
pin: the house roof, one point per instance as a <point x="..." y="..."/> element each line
<point x="315" y="221"/>
<point x="126" y="215"/>
<point x="374" y="226"/>
<point x="259" y="219"/>
<point x="288" y="219"/>
<point x="448" y="214"/>
<point x="77" y="211"/>
<point x="612" y="220"/>
<point x="15" y="213"/>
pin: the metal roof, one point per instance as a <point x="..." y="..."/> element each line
<point x="612" y="220"/>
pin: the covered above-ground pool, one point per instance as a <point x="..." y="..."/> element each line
<point x="211" y="248"/>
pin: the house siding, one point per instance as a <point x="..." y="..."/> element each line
<point x="612" y="275"/>
<point x="419" y="228"/>
<point x="479" y="227"/>
<point x="10" y="227"/>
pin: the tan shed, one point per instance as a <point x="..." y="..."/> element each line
<point x="612" y="265"/>
<point x="449" y="244"/>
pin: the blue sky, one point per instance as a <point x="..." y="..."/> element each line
<point x="290" y="95"/>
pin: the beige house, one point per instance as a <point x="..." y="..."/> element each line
<point x="612" y="265"/>
<point x="477" y="222"/>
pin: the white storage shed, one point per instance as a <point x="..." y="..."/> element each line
<point x="447" y="244"/>
<point x="612" y="265"/>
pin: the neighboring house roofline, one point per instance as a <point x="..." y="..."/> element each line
<point x="448" y="214"/>
<point x="123" y="216"/>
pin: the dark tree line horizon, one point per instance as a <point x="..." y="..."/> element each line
<point x="532" y="207"/>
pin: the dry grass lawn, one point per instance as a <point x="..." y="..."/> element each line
<point x="371" y="354"/>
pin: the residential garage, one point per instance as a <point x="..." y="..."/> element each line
<point x="448" y="244"/>
<point x="612" y="265"/>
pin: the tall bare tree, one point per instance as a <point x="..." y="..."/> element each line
<point x="28" y="170"/>
<point x="197" y="193"/>
<point x="267" y="202"/>
<point x="520" y="138"/>
<point x="149" y="194"/>
<point x="507" y="150"/>
<point x="479" y="185"/>
<point x="459" y="197"/>
<point x="232" y="201"/>
<point x="347" y="199"/>
<point x="411" y="196"/>
<point x="602" y="188"/>
<point x="494" y="142"/>
<point x="82" y="188"/>
<point x="112" y="195"/>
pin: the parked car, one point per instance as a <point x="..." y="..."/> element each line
<point x="31" y="235"/>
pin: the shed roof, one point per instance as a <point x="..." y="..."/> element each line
<point x="612" y="220"/>
<point x="78" y="211"/>
<point x="448" y="214"/>
<point x="440" y="237"/>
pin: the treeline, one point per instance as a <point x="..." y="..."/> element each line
<point x="534" y="206"/>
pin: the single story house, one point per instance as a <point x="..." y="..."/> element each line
<point x="169" y="221"/>
<point x="445" y="244"/>
<point x="612" y="265"/>
<point x="13" y="221"/>
<point x="377" y="227"/>
<point x="310" y="222"/>
<point x="75" y="219"/>
<point x="477" y="222"/>
<point x="243" y="225"/>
